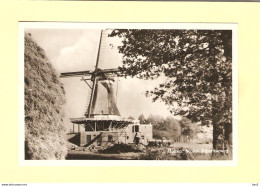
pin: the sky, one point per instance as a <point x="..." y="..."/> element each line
<point x="76" y="50"/>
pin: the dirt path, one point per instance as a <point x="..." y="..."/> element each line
<point x="80" y="155"/>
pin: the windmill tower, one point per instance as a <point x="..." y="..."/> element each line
<point x="102" y="121"/>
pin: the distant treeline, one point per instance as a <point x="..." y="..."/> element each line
<point x="170" y="128"/>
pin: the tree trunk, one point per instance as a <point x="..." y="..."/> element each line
<point x="228" y="134"/>
<point x="215" y="136"/>
<point x="215" y="124"/>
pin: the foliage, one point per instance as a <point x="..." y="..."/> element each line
<point x="159" y="134"/>
<point x="188" y="128"/>
<point x="142" y="119"/>
<point x="154" y="154"/>
<point x="163" y="127"/>
<point x="157" y="121"/>
<point x="169" y="127"/>
<point x="197" y="65"/>
<point x="45" y="132"/>
<point x="131" y="117"/>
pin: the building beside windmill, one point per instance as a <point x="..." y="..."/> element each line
<point x="110" y="129"/>
<point x="102" y="124"/>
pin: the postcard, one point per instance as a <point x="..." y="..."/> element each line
<point x="128" y="94"/>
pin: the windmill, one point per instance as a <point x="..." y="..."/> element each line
<point x="100" y="117"/>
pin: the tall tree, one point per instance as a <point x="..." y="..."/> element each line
<point x="188" y="128"/>
<point x="173" y="126"/>
<point x="142" y="119"/>
<point x="197" y="65"/>
<point x="157" y="121"/>
<point x="131" y="117"/>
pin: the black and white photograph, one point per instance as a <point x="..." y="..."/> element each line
<point x="136" y="91"/>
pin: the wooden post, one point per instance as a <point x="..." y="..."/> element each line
<point x="73" y="128"/>
<point x="95" y="126"/>
<point x="110" y="126"/>
<point x="78" y="128"/>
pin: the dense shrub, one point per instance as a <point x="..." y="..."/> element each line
<point x="154" y="154"/>
<point x="45" y="132"/>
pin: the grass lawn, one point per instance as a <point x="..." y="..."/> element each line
<point x="194" y="146"/>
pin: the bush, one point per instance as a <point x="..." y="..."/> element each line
<point x="154" y="154"/>
<point x="45" y="132"/>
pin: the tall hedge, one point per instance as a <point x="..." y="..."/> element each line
<point x="45" y="131"/>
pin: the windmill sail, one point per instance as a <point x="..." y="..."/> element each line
<point x="102" y="98"/>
